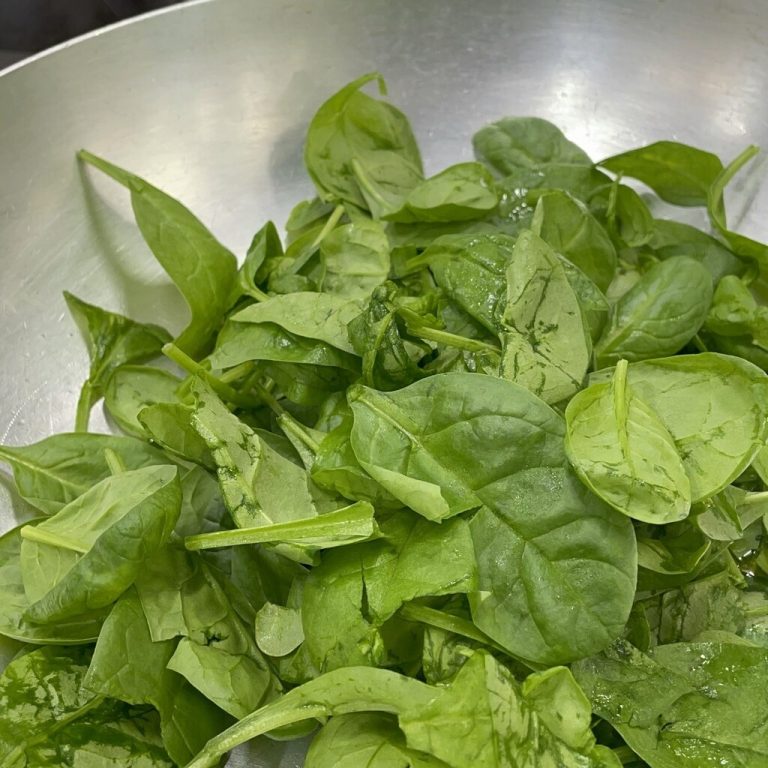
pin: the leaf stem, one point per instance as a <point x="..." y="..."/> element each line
<point x="114" y="462"/>
<point x="222" y="389"/>
<point x="289" y="425"/>
<point x="41" y="536"/>
<point x="84" y="405"/>
<point x="453" y="340"/>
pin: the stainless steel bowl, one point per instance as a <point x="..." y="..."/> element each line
<point x="210" y="101"/>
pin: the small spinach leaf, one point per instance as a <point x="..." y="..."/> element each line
<point x="203" y="270"/>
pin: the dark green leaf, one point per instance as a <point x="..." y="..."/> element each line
<point x="677" y="173"/>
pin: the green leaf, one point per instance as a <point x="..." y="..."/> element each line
<point x="355" y="260"/>
<point x="526" y="142"/>
<point x="659" y="315"/>
<point x="278" y="629"/>
<point x="418" y="441"/>
<point x="319" y="316"/>
<point x="203" y="270"/>
<point x="546" y="348"/>
<point x="86" y="555"/>
<point x="47" y="718"/>
<point x="376" y="334"/>
<point x="351" y="126"/>
<point x="481" y="719"/>
<point x="129" y="667"/>
<point x="112" y="341"/>
<point x="683" y="705"/>
<point x="741" y="245"/>
<point x="461" y="192"/>
<point x="622" y="451"/>
<point x="265" y="248"/>
<point x="369" y="739"/>
<point x="566" y="225"/>
<point x="51" y="473"/>
<point x="532" y="511"/>
<point x="714" y="406"/>
<point x="169" y="425"/>
<point x="133" y="387"/>
<point x="673" y="238"/>
<point x="557" y="568"/>
<point x="259" y="485"/>
<point x="677" y="173"/>
<point x="14" y="605"/>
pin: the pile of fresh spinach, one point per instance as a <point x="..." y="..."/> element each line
<point x="467" y="471"/>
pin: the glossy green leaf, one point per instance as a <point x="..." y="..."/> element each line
<point x="677" y="173"/>
<point x="714" y="406"/>
<point x="683" y="705"/>
<point x="203" y="270"/>
<point x="526" y="142"/>
<point x="355" y="260"/>
<point x="133" y="387"/>
<point x="353" y="127"/>
<point x="51" y="473"/>
<point x="86" y="555"/>
<point x="112" y="340"/>
<point x="129" y="667"/>
<point x="14" y="605"/>
<point x="47" y="718"/>
<point x="659" y="315"/>
<point x="622" y="451"/>
<point x="566" y="225"/>
<point x="546" y="347"/>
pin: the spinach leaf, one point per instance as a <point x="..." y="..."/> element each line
<point x="264" y="250"/>
<point x="67" y="725"/>
<point x="169" y="425"/>
<point x="133" y="387"/>
<point x="428" y="433"/>
<point x="351" y="129"/>
<point x="471" y="269"/>
<point x="556" y="567"/>
<point x="58" y="469"/>
<point x="683" y="705"/>
<point x="112" y="341"/>
<point x="623" y="452"/>
<point x="433" y="719"/>
<point x="673" y="238"/>
<point x="363" y="586"/>
<point x="526" y="142"/>
<point x="14" y="605"/>
<point x="461" y="192"/>
<point x="129" y="667"/>
<point x="259" y="485"/>
<point x="659" y="315"/>
<point x="242" y="342"/>
<point x="714" y="406"/>
<point x="740" y="244"/>
<point x="319" y="316"/>
<point x="677" y="173"/>
<point x="566" y="225"/>
<point x="378" y="336"/>
<point x="370" y="739"/>
<point x="86" y="555"/>
<point x="546" y="347"/>
<point x="355" y="260"/>
<point x="203" y="270"/>
<point x="278" y="629"/>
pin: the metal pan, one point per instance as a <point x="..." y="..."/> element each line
<point x="210" y="101"/>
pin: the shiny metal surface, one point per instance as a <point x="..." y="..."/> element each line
<point x="210" y="101"/>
